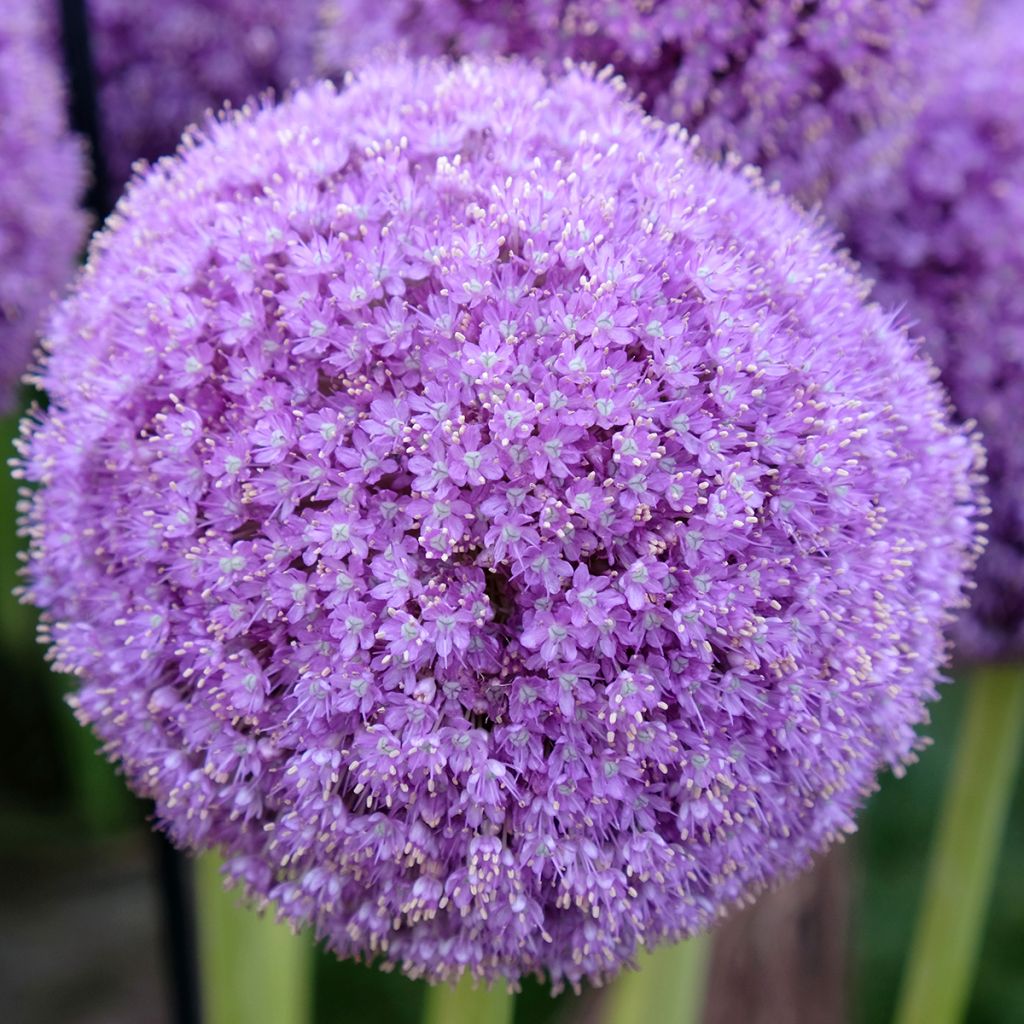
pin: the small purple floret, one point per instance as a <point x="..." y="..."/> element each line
<point x="512" y="538"/>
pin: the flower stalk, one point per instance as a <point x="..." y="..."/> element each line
<point x="254" y="970"/>
<point x="468" y="1002"/>
<point x="668" y="986"/>
<point x="947" y="941"/>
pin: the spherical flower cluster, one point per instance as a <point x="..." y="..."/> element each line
<point x="509" y="536"/>
<point x="162" y="66"/>
<point x="41" y="182"/>
<point x="943" y="235"/>
<point x="789" y="85"/>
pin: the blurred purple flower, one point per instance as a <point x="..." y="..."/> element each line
<point x="944" y="235"/>
<point x="789" y="85"/>
<point x="42" y="177"/>
<point x="485" y="645"/>
<point x="161" y="66"/>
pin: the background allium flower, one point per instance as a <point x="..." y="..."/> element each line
<point x="41" y="183"/>
<point x="790" y="85"/>
<point x="943" y="235"/>
<point x="510" y="536"/>
<point x="162" y="66"/>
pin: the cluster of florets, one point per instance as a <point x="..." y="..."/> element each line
<point x="510" y="537"/>
<point x="943" y="234"/>
<point x="161" y="66"/>
<point x="789" y="85"/>
<point x="41" y="183"/>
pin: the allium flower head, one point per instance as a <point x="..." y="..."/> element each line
<point x="511" y="537"/>
<point x="943" y="234"/>
<point x="163" y="65"/>
<point x="41" y="182"/>
<point x="790" y="85"/>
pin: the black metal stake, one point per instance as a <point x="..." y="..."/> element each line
<point x="178" y="898"/>
<point x="83" y="107"/>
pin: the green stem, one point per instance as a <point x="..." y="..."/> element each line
<point x="17" y="621"/>
<point x="102" y="803"/>
<point x="668" y="986"/>
<point x="467" y="1003"/>
<point x="253" y="970"/>
<point x="950" y="925"/>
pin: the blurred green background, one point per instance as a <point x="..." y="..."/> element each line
<point x="81" y="933"/>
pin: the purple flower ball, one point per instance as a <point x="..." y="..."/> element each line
<point x="162" y="66"/>
<point x="943" y="234"/>
<point x="790" y="85"/>
<point x="41" y="182"/>
<point x="512" y="538"/>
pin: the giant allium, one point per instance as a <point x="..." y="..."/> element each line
<point x="944" y="234"/>
<point x="790" y="85"/>
<point x="162" y="64"/>
<point x="510" y="537"/>
<point x="41" y="182"/>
